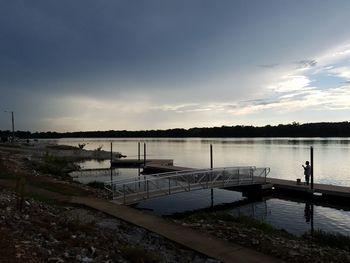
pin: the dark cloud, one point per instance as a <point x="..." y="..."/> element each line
<point x="50" y="41"/>
<point x="261" y="102"/>
<point x="154" y="52"/>
<point x="306" y="63"/>
<point x="273" y="65"/>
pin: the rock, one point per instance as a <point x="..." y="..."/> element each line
<point x="112" y="224"/>
<point x="86" y="259"/>
<point x="92" y="250"/>
<point x="293" y="253"/>
<point x="56" y="260"/>
<point x="255" y="242"/>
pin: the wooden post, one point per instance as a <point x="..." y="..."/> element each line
<point x="312" y="167"/>
<point x="144" y="154"/>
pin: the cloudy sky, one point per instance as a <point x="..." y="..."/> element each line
<point x="157" y="64"/>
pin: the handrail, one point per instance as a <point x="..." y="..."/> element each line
<point x="165" y="183"/>
<point x="172" y="174"/>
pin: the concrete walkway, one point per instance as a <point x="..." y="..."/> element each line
<point x="193" y="239"/>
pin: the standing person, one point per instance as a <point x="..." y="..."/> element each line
<point x="307" y="172"/>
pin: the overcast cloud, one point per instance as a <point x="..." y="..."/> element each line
<point x="100" y="65"/>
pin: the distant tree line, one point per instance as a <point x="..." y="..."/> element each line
<point x="322" y="129"/>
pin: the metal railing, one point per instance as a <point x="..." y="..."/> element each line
<point x="144" y="187"/>
<point x="94" y="172"/>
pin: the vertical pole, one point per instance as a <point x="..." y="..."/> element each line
<point x="124" y="198"/>
<point x="13" y="127"/>
<point x="211" y="176"/>
<point x="312" y="219"/>
<point x="312" y="166"/>
<point x="147" y="189"/>
<point x="111" y="169"/>
<point x="211" y="156"/>
<point x="138" y="158"/>
<point x="138" y="155"/>
<point x="169" y="186"/>
<point x="144" y="154"/>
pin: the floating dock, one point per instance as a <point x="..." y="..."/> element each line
<point x="331" y="193"/>
<point x="321" y="192"/>
<point x="136" y="163"/>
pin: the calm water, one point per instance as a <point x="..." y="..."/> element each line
<point x="294" y="217"/>
<point x="283" y="155"/>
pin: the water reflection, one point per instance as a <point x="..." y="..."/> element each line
<point x="296" y="217"/>
<point x="307" y="212"/>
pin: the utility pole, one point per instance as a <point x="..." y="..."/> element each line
<point x="211" y="176"/>
<point x="13" y="126"/>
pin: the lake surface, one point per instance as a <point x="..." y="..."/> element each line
<point x="283" y="155"/>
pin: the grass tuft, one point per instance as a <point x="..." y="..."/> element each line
<point x="335" y="240"/>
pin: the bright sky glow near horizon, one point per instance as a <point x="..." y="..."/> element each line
<point x="159" y="64"/>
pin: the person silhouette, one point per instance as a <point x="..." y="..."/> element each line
<point x="307" y="172"/>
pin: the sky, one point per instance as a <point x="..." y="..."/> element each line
<point x="158" y="64"/>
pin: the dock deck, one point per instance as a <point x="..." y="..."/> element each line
<point x="324" y="189"/>
<point x="136" y="163"/>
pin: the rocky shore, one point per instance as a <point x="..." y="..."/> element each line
<point x="273" y="242"/>
<point x="54" y="231"/>
<point x="51" y="233"/>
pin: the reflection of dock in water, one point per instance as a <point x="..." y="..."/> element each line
<point x="261" y="211"/>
